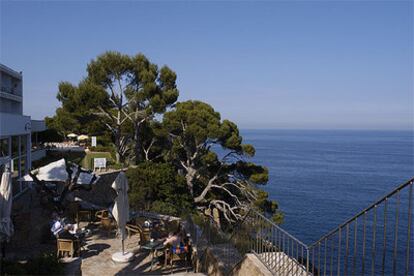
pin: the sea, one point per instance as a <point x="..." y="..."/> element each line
<point x="320" y="178"/>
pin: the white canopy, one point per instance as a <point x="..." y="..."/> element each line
<point x="56" y="171"/>
<point x="83" y="137"/>
<point x="6" y="198"/>
<point x="120" y="211"/>
<point x="72" y="135"/>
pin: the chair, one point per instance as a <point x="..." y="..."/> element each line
<point x="71" y="247"/>
<point x="83" y="215"/>
<point x="132" y="229"/>
<point x="145" y="236"/>
<point x="176" y="254"/>
<point x="102" y="214"/>
<point x="106" y="221"/>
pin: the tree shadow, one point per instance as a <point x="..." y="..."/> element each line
<point x="94" y="249"/>
<point x="141" y="265"/>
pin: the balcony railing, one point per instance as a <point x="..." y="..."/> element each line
<point x="376" y="241"/>
<point x="280" y="252"/>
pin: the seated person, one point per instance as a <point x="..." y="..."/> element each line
<point x="63" y="230"/>
<point x="178" y="242"/>
<point x="57" y="228"/>
<point x="69" y="231"/>
<point x="173" y="239"/>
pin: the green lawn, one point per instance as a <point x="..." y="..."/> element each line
<point x="87" y="161"/>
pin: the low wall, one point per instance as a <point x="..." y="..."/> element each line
<point x="250" y="265"/>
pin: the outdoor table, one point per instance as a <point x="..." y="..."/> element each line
<point x="153" y="247"/>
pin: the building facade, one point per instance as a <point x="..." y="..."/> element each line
<point x="15" y="128"/>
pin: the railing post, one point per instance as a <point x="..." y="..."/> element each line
<point x="410" y="207"/>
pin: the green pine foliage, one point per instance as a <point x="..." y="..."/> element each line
<point x="131" y="105"/>
<point x="158" y="187"/>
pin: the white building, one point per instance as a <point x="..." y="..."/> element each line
<point x="15" y="128"/>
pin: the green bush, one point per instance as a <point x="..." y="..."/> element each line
<point x="157" y="187"/>
<point x="100" y="148"/>
<point x="52" y="156"/>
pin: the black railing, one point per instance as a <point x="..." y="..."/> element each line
<point x="280" y="252"/>
<point x="376" y="241"/>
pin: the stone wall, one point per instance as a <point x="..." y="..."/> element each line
<point x="250" y="265"/>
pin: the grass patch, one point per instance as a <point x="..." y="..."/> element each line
<point x="87" y="161"/>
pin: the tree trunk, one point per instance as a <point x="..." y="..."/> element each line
<point x="118" y="157"/>
<point x="118" y="145"/>
<point x="118" y="153"/>
<point x="191" y="173"/>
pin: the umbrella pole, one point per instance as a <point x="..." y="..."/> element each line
<point x="3" y="251"/>
<point x="123" y="252"/>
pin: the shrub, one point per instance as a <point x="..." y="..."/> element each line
<point x="157" y="187"/>
<point x="46" y="264"/>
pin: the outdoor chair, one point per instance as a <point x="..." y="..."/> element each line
<point x="135" y="226"/>
<point x="106" y="221"/>
<point x="144" y="234"/>
<point x="132" y="229"/>
<point x="84" y="215"/>
<point x="68" y="247"/>
<point x="178" y="254"/>
<point x="102" y="214"/>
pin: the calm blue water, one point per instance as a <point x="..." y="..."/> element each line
<point x="322" y="177"/>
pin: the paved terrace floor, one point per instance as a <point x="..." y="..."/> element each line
<point x="97" y="257"/>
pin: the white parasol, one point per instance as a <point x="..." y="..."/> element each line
<point x="83" y="137"/>
<point x="6" y="198"/>
<point x="120" y="213"/>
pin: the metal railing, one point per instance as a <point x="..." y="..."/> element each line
<point x="376" y="241"/>
<point x="280" y="252"/>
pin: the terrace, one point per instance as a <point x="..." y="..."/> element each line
<point x="32" y="238"/>
<point x="255" y="246"/>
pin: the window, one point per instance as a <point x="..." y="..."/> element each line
<point x="15" y="146"/>
<point x="23" y="144"/>
<point x="4" y="147"/>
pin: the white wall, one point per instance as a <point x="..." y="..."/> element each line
<point x="12" y="124"/>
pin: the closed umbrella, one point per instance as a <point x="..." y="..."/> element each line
<point x="6" y="197"/>
<point x="6" y="226"/>
<point x="120" y="213"/>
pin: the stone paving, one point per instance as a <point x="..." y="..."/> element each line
<point x="97" y="253"/>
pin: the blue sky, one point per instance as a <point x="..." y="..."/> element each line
<point x="314" y="64"/>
